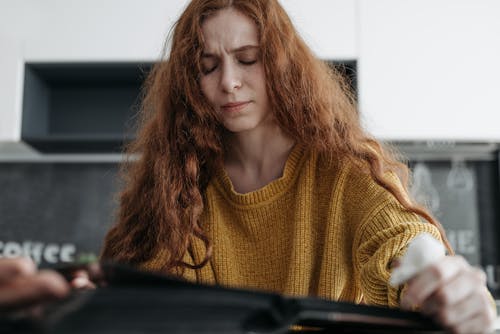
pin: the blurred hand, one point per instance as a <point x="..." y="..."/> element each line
<point x="454" y="294"/>
<point x="22" y="286"/>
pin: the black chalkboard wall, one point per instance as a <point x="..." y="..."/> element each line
<point x="56" y="212"/>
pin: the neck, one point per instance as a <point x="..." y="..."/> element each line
<point x="260" y="151"/>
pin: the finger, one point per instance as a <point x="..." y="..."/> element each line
<point x="395" y="263"/>
<point x="82" y="282"/>
<point x="80" y="279"/>
<point x="429" y="279"/>
<point x="95" y="272"/>
<point x="457" y="289"/>
<point x="474" y="305"/>
<point x="81" y="274"/>
<point x="30" y="290"/>
<point x="91" y="272"/>
<point x="87" y="278"/>
<point x="13" y="267"/>
<point x="480" y="323"/>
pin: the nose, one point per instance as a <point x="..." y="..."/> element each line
<point x="230" y="80"/>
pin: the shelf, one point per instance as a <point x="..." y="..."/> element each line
<point x="84" y="107"/>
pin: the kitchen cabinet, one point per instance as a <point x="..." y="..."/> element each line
<point x="427" y="70"/>
<point x="76" y="32"/>
<point x="329" y="27"/>
<point x="81" y="107"/>
<point x="11" y="82"/>
<point x="115" y="31"/>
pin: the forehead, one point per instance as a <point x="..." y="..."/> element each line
<point x="229" y="28"/>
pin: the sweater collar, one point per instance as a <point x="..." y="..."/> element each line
<point x="270" y="191"/>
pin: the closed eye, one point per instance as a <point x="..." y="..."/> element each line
<point x="246" y="62"/>
<point x="209" y="70"/>
<point x="208" y="64"/>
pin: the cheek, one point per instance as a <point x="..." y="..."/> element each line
<point x="208" y="89"/>
<point x="260" y="87"/>
<point x="257" y="79"/>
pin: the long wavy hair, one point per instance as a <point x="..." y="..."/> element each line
<point x="181" y="141"/>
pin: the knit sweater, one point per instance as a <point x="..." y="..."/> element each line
<point x="324" y="230"/>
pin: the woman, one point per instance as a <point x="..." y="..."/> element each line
<point x="254" y="172"/>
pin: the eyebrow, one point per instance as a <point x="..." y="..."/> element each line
<point x="241" y="48"/>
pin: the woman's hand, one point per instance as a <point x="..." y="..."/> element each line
<point x="22" y="286"/>
<point x="454" y="294"/>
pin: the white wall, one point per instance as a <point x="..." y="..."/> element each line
<point x="430" y="69"/>
<point x="127" y="30"/>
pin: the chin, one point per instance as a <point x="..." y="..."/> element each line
<point x="238" y="127"/>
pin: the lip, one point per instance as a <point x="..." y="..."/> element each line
<point x="234" y="106"/>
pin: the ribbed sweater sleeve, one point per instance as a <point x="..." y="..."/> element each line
<point x="381" y="238"/>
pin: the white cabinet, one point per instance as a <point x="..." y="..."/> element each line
<point x="11" y="69"/>
<point x="74" y="31"/>
<point x="91" y="30"/>
<point x="328" y="26"/>
<point x="430" y="69"/>
<point x="128" y="31"/>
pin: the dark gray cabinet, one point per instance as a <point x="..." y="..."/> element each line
<point x="81" y="107"/>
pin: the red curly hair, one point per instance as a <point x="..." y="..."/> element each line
<point x="181" y="139"/>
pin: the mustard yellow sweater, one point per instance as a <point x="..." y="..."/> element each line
<point x="319" y="230"/>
